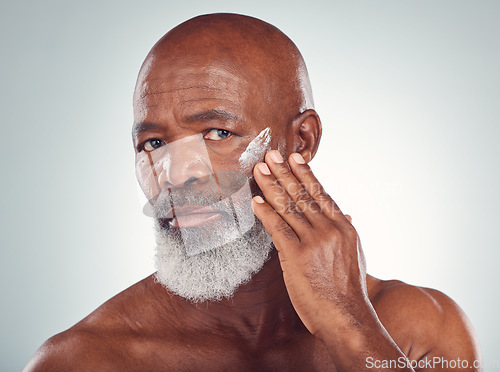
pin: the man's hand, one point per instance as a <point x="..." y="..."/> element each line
<point x="322" y="262"/>
<point x="319" y="250"/>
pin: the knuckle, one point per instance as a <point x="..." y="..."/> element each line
<point x="276" y="184"/>
<point x="284" y="172"/>
<point x="306" y="203"/>
<point x="280" y="203"/>
<point x="342" y="234"/>
<point x="284" y="230"/>
<point x="288" y="207"/>
<point x="314" y="207"/>
<point x="318" y="192"/>
<point x="307" y="172"/>
<point x="334" y="235"/>
<point x="302" y="196"/>
<point x="334" y="208"/>
<point x="291" y="208"/>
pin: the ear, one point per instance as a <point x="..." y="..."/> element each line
<point x="304" y="134"/>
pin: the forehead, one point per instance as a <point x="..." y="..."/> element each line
<point x="183" y="85"/>
<point x="176" y="77"/>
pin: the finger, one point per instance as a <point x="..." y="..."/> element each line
<point x="304" y="174"/>
<point x="349" y="218"/>
<point x="281" y="233"/>
<point x="279" y="200"/>
<point x="291" y="185"/>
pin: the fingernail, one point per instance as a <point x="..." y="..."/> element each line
<point x="258" y="199"/>
<point x="264" y="169"/>
<point x="298" y="158"/>
<point x="275" y="156"/>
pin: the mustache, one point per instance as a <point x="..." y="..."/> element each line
<point x="214" y="191"/>
<point x="176" y="198"/>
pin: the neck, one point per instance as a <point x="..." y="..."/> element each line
<point x="260" y="311"/>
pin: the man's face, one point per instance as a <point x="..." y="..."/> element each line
<point x="194" y="124"/>
<point x="176" y="100"/>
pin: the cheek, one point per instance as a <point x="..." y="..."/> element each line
<point x="255" y="151"/>
<point x="229" y="160"/>
<point x="146" y="177"/>
<point x="281" y="146"/>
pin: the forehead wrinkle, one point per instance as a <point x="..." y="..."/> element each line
<point x="207" y="99"/>
<point x="195" y="77"/>
<point x="203" y="87"/>
<point x="183" y="96"/>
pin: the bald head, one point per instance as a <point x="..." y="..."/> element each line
<point x="229" y="72"/>
<point x="241" y="45"/>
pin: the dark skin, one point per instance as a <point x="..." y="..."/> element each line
<point x="312" y="306"/>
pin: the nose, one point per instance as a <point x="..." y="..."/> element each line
<point x="184" y="163"/>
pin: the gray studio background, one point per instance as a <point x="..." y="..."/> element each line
<point x="408" y="92"/>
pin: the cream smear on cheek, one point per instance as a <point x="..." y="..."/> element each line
<point x="255" y="150"/>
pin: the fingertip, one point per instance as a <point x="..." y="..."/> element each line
<point x="275" y="156"/>
<point x="258" y="199"/>
<point x="263" y="168"/>
<point x="297" y="158"/>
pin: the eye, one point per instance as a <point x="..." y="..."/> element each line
<point x="152" y="144"/>
<point x="217" y="134"/>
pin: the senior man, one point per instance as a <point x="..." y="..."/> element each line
<point x="224" y="127"/>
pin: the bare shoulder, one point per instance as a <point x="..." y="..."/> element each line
<point x="102" y="340"/>
<point x="423" y="321"/>
<point x="75" y="350"/>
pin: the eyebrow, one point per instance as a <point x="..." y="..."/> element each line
<point x="209" y="115"/>
<point x="205" y="116"/>
<point x="142" y="127"/>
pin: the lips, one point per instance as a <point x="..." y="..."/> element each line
<point x="191" y="216"/>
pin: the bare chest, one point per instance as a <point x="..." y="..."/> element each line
<point x="220" y="355"/>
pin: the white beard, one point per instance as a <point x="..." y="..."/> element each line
<point x="211" y="275"/>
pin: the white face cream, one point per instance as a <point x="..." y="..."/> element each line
<point x="255" y="150"/>
<point x="209" y="213"/>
